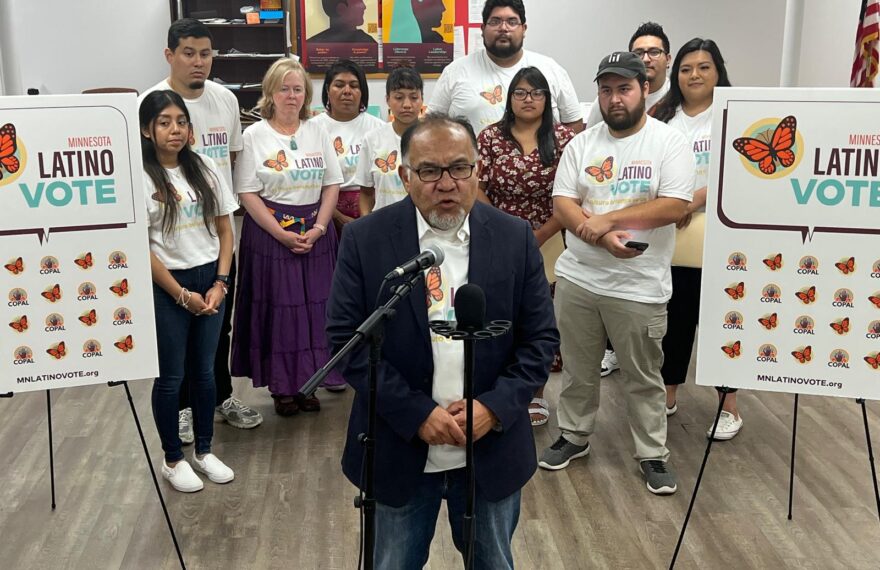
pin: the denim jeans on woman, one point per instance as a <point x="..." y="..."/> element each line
<point x="187" y="345"/>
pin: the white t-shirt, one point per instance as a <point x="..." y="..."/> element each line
<point x="441" y="283"/>
<point x="476" y="88"/>
<point x="268" y="165"/>
<point x="189" y="244"/>
<point x="378" y="167"/>
<point x="347" y="140"/>
<point x="655" y="162"/>
<point x="596" y="114"/>
<point x="698" y="131"/>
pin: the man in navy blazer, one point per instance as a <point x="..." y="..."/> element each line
<point x="421" y="417"/>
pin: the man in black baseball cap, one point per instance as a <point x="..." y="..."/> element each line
<point x="621" y="100"/>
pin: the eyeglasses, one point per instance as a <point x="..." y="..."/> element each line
<point x="536" y="94"/>
<point x="435" y="173"/>
<point x="653" y="53"/>
<point x="496" y="22"/>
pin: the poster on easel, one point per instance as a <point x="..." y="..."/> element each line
<point x="339" y="29"/>
<point x="790" y="298"/>
<point x="418" y="34"/>
<point x="73" y="236"/>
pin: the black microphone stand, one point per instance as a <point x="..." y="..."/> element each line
<point x="449" y="329"/>
<point x="372" y="330"/>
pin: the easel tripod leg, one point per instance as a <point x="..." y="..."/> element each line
<point x="51" y="447"/>
<point x="791" y="468"/>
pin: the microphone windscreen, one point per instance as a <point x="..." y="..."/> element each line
<point x="470" y="307"/>
<point x="438" y="254"/>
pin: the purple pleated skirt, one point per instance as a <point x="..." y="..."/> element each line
<point x="278" y="335"/>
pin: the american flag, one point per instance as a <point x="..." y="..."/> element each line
<point x="864" y="67"/>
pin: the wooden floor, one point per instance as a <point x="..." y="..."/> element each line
<point x="290" y="507"/>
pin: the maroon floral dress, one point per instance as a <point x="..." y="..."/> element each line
<point x="515" y="183"/>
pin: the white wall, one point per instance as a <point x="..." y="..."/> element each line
<point x="829" y="42"/>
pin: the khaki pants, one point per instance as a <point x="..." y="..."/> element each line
<point x="585" y="321"/>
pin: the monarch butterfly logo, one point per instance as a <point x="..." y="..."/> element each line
<point x="124" y="344"/>
<point x="52" y="294"/>
<point x="84" y="261"/>
<point x="767" y="353"/>
<point x="803" y="355"/>
<point x="838" y="358"/>
<point x="15" y="266"/>
<point x="873" y="360"/>
<point x="280" y="162"/>
<point x="846" y="266"/>
<point x="732" y="350"/>
<point x="89" y="318"/>
<point x="603" y="172"/>
<point x="875" y="299"/>
<point x="57" y="351"/>
<point x="388" y="164"/>
<point x="493" y="97"/>
<point x="736" y="261"/>
<point x="769" y="322"/>
<point x="840" y="326"/>
<point x="19" y="324"/>
<point x="171" y="190"/>
<point x="91" y="348"/>
<point x="807" y="295"/>
<point x="770" y="146"/>
<point x="736" y="292"/>
<point x="433" y="282"/>
<point x="338" y="146"/>
<point x="774" y="262"/>
<point x="120" y="288"/>
<point x="11" y="158"/>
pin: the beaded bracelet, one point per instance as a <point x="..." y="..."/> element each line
<point x="180" y="301"/>
<point x="321" y="227"/>
<point x="222" y="285"/>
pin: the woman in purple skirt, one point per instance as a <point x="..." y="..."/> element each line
<point x="287" y="178"/>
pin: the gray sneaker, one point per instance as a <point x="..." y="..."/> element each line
<point x="185" y="426"/>
<point x="236" y="414"/>
<point x="659" y="477"/>
<point x="560" y="454"/>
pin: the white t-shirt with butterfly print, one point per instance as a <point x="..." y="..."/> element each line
<point x="189" y="244"/>
<point x="377" y="169"/>
<point x="269" y="166"/>
<point x="476" y="88"/>
<point x="608" y="174"/>
<point x="348" y="140"/>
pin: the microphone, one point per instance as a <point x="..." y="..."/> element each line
<point x="432" y="255"/>
<point x="470" y="307"/>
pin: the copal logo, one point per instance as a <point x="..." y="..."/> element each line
<point x="22" y="355"/>
<point x="122" y="316"/>
<point x="13" y="156"/>
<point x="733" y="321"/>
<point x="771" y="293"/>
<point x="91" y="349"/>
<point x="87" y="291"/>
<point x="49" y="264"/>
<point x="771" y="148"/>
<point x="804" y="324"/>
<point x="54" y="322"/>
<point x="808" y="265"/>
<point x="875" y="270"/>
<point x="839" y="358"/>
<point x="737" y="261"/>
<point x="767" y="353"/>
<point x="117" y="260"/>
<point x="873" y="330"/>
<point x="18" y="297"/>
<point x="843" y="298"/>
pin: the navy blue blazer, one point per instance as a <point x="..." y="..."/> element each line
<point x="506" y="263"/>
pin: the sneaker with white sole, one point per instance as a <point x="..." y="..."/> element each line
<point x="671" y="411"/>
<point x="609" y="363"/>
<point x="216" y="470"/>
<point x="236" y="414"/>
<point x="728" y="426"/>
<point x="182" y="477"/>
<point x="659" y="478"/>
<point x="185" y="426"/>
<point x="560" y="454"/>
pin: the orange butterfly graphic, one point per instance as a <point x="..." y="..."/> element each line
<point x="58" y="352"/>
<point x="159" y="198"/>
<point x="774" y="263"/>
<point x="20" y="325"/>
<point x="604" y="172"/>
<point x="803" y="356"/>
<point x="121" y="289"/>
<point x="89" y="319"/>
<point x="338" y="146"/>
<point x="279" y="164"/>
<point x="808" y="297"/>
<point x="875" y="300"/>
<point x="432" y="285"/>
<point x="842" y="327"/>
<point x="737" y="292"/>
<point x="8" y="146"/>
<point x="874" y="361"/>
<point x="494" y="97"/>
<point x="85" y="261"/>
<point x="53" y="294"/>
<point x="16" y="266"/>
<point x="770" y="322"/>
<point x="779" y="149"/>
<point x="847" y="267"/>
<point x="733" y="350"/>
<point x="389" y="164"/>
<point x="125" y="345"/>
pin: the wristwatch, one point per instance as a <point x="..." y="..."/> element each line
<point x="223" y="278"/>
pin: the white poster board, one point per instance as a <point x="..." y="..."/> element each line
<point x="790" y="298"/>
<point x="73" y="241"/>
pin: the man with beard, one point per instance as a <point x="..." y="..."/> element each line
<point x="215" y="132"/>
<point x="421" y="415"/>
<point x="476" y="85"/>
<point x="619" y="186"/>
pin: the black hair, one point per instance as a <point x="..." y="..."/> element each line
<point x="186" y="28"/>
<point x="664" y="110"/>
<point x="650" y="29"/>
<point x="194" y="169"/>
<point x="403" y="77"/>
<point x="432" y="120"/>
<point x="345" y="66"/>
<point x="547" y="143"/>
<point x="517" y="6"/>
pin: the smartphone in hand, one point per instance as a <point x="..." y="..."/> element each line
<point x="639" y="245"/>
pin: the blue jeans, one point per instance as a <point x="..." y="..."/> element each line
<point x="403" y="535"/>
<point x="187" y="345"/>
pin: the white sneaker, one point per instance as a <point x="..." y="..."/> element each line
<point x="216" y="470"/>
<point x="609" y="363"/>
<point x="728" y="426"/>
<point x="671" y="411"/>
<point x="185" y="426"/>
<point x="182" y="477"/>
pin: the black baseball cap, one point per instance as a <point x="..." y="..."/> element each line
<point x="623" y="63"/>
